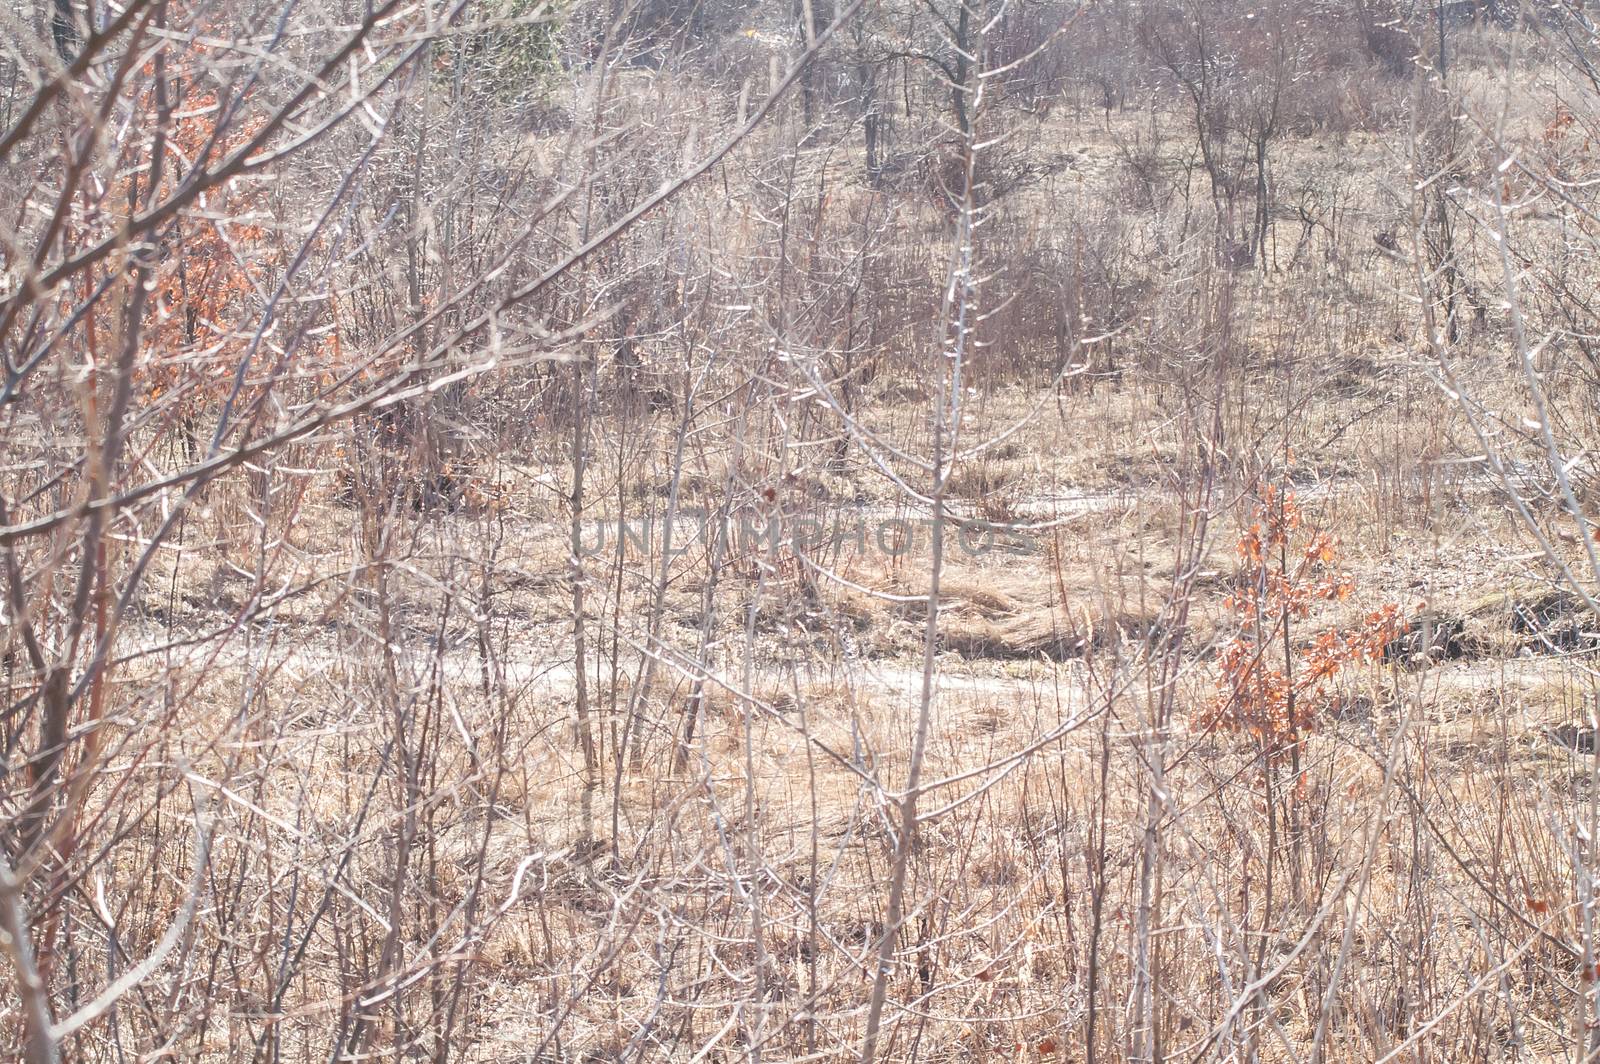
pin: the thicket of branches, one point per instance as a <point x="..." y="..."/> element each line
<point x="488" y="503"/>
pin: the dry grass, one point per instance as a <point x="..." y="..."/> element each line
<point x="603" y="905"/>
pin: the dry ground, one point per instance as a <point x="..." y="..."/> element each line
<point x="628" y="911"/>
